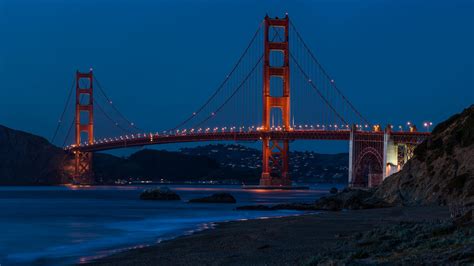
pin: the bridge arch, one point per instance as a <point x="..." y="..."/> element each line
<point x="368" y="168"/>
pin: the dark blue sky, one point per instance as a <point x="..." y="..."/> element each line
<point x="396" y="60"/>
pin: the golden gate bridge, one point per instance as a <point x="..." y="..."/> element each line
<point x="261" y="99"/>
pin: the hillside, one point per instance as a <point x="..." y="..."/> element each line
<point x="156" y="165"/>
<point x="27" y="159"/>
<point x="305" y="166"/>
<point x="442" y="169"/>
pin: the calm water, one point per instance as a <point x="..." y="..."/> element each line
<point x="62" y="225"/>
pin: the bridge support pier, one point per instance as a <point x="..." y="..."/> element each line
<point x="83" y="168"/>
<point x="373" y="156"/>
<point x="395" y="154"/>
<point x="366" y="157"/>
<point x="275" y="163"/>
<point x="390" y="154"/>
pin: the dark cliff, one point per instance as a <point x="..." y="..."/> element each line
<point x="26" y="159"/>
<point x="442" y="168"/>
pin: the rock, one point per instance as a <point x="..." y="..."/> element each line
<point x="441" y="170"/>
<point x="329" y="204"/>
<point x="333" y="190"/>
<point x="465" y="219"/>
<point x="162" y="193"/>
<point x="403" y="243"/>
<point x="352" y="199"/>
<point x="216" y="198"/>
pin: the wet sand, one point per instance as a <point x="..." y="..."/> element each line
<point x="277" y="241"/>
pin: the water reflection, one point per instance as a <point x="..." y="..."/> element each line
<point x="64" y="225"/>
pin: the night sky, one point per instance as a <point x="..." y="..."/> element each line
<point x="398" y="61"/>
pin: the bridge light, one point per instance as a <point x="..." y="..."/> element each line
<point x="427" y="125"/>
<point x="332" y="81"/>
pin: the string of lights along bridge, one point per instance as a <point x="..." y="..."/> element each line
<point x="276" y="92"/>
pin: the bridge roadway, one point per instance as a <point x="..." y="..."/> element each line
<point x="137" y="140"/>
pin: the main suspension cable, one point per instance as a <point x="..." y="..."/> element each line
<point x="233" y="93"/>
<point x="64" y="111"/>
<point x="113" y="106"/>
<point x="219" y="88"/>
<point x="325" y="73"/>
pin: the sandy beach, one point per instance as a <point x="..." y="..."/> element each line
<point x="278" y="241"/>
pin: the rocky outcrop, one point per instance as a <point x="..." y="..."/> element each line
<point x="26" y="159"/>
<point x="442" y="169"/>
<point x="351" y="199"/>
<point x="215" y="198"/>
<point x="162" y="193"/>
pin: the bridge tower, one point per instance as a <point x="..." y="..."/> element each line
<point x="275" y="170"/>
<point x="84" y="124"/>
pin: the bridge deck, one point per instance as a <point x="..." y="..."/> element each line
<point x="155" y="138"/>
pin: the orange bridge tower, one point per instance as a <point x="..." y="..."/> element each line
<point x="84" y="124"/>
<point x="275" y="170"/>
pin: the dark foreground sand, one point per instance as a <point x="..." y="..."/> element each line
<point x="278" y="241"/>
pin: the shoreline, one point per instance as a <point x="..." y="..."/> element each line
<point x="276" y="240"/>
<point x="198" y="228"/>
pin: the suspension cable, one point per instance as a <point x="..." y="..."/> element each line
<point x="233" y="93"/>
<point x="219" y="88"/>
<point x="313" y="85"/>
<point x="317" y="89"/>
<point x="325" y="73"/>
<point x="96" y="103"/>
<point x="69" y="131"/>
<point x="64" y="111"/>
<point x="113" y="106"/>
